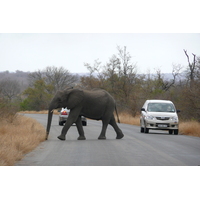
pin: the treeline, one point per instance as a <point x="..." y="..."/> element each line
<point x="118" y="76"/>
<point x="33" y="91"/>
<point x="130" y="89"/>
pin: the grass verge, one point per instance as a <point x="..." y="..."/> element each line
<point x="191" y="128"/>
<point x="55" y="112"/>
<point x="129" y="119"/>
<point x="18" y="136"/>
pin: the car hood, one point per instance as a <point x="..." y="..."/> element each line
<point x="162" y="114"/>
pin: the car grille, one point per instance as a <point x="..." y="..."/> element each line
<point x="162" y="118"/>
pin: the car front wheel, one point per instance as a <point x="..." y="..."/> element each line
<point x="146" y="130"/>
<point x="61" y="123"/>
<point x="84" y="123"/>
<point x="176" y="132"/>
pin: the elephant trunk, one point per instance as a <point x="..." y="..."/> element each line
<point x="50" y="114"/>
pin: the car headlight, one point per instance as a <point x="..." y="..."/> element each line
<point x="150" y="117"/>
<point x="174" y="119"/>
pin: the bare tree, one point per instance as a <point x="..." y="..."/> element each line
<point x="9" y="89"/>
<point x="127" y="67"/>
<point x="111" y="72"/>
<point x="60" y="78"/>
<point x="191" y="90"/>
<point x="175" y="73"/>
<point x="192" y="67"/>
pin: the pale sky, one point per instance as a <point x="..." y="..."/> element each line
<point x="40" y="33"/>
<point x="32" y="51"/>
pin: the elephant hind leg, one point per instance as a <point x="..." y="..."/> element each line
<point x="102" y="136"/>
<point x="116" y="128"/>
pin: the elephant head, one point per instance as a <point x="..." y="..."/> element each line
<point x="69" y="98"/>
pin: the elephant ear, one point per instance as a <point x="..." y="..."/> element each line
<point x="74" y="98"/>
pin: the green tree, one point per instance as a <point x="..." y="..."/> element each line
<point x="38" y="96"/>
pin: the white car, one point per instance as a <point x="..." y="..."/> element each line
<point x="160" y="115"/>
<point x="64" y="113"/>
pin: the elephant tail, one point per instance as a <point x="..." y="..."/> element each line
<point x="117" y="114"/>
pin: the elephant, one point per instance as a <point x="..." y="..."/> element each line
<point x="95" y="104"/>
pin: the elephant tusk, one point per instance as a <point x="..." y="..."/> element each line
<point x="51" y="111"/>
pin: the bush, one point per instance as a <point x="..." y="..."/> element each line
<point x="25" y="105"/>
<point x="7" y="111"/>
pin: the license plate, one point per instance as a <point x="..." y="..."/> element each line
<point x="162" y="125"/>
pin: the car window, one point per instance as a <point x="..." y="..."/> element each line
<point x="160" y="107"/>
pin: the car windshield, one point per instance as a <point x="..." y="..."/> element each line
<point x="160" y="107"/>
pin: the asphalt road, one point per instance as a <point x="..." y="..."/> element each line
<point x="156" y="148"/>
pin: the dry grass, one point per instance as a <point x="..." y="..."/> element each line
<point x="129" y="119"/>
<point x="34" y="112"/>
<point x="18" y="136"/>
<point x="39" y="112"/>
<point x="191" y="128"/>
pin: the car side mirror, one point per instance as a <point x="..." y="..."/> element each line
<point x="142" y="109"/>
<point x="178" y="111"/>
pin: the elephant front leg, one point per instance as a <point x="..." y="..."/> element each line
<point x="80" y="129"/>
<point x="64" y="130"/>
<point x="68" y="124"/>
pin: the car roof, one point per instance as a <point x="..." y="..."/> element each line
<point x="158" y="101"/>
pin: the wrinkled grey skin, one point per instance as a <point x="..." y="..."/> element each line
<point x="95" y="104"/>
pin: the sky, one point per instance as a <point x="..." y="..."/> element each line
<point x="149" y="51"/>
<point x="40" y="33"/>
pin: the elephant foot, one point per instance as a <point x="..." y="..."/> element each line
<point x="61" y="137"/>
<point x="102" y="137"/>
<point x="119" y="136"/>
<point x="81" y="138"/>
